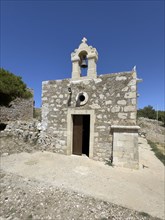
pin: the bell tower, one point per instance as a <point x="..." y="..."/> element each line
<point x="84" y="57"/>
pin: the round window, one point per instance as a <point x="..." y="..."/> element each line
<point x="82" y="98"/>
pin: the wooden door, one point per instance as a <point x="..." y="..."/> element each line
<point x="77" y="134"/>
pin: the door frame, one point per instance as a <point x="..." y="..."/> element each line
<point x="70" y="114"/>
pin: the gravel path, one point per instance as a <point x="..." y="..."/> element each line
<point x="23" y="198"/>
<point x="44" y="185"/>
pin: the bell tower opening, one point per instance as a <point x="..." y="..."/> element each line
<point x="84" y="61"/>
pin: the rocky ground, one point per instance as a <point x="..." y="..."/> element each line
<point x="153" y="130"/>
<point x="28" y="199"/>
<point x="22" y="198"/>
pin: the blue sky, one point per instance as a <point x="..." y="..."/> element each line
<point x="37" y="38"/>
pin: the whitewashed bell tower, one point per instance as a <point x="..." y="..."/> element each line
<point x="79" y="58"/>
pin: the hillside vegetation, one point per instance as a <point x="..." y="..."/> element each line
<point x="154" y="132"/>
<point x="11" y="87"/>
<point x="151" y="113"/>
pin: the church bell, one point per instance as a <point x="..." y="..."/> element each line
<point x="84" y="63"/>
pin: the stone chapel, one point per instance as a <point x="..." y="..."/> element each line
<point x="92" y="115"/>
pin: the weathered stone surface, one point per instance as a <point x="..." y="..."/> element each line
<point x="125" y="149"/>
<point x="125" y="89"/>
<point x="133" y="115"/>
<point x="129" y="108"/>
<point x="20" y="136"/>
<point x="115" y="109"/>
<point x="108" y="98"/>
<point x="130" y="95"/>
<point x="122" y="115"/>
<point x="121" y="102"/>
<point x="19" y="109"/>
<point x="95" y="106"/>
<point x="119" y="78"/>
<point x="153" y="130"/>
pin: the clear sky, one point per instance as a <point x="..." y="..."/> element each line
<point x="37" y="38"/>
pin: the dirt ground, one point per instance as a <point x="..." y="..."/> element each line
<point x="44" y="185"/>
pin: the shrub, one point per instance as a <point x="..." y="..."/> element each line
<point x="149" y="112"/>
<point x="11" y="87"/>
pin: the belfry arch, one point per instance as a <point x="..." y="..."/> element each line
<point x="84" y="52"/>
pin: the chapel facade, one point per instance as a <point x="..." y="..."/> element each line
<point x="92" y="115"/>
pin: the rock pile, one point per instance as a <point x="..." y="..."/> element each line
<point x="152" y="130"/>
<point x="20" y="136"/>
<point x="23" y="130"/>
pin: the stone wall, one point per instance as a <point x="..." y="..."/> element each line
<point x="111" y="97"/>
<point x="20" y="136"/>
<point x="19" y="109"/>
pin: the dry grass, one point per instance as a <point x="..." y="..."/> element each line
<point x="158" y="149"/>
<point x="161" y="147"/>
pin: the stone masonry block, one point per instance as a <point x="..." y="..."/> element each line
<point x="121" y="102"/>
<point x="119" y="78"/>
<point x="129" y="95"/>
<point x="129" y="108"/>
<point x="122" y="115"/>
<point x="115" y="109"/>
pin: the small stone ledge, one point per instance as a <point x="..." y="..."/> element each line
<point x="125" y="127"/>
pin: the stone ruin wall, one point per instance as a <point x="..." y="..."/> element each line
<point x="20" y="109"/>
<point x="20" y="136"/>
<point x="111" y="96"/>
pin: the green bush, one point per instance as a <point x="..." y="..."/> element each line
<point x="11" y="87"/>
<point x="161" y="116"/>
<point x="149" y="112"/>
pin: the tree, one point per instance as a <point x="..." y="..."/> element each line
<point x="161" y="116"/>
<point x="11" y="87"/>
<point x="147" y="112"/>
